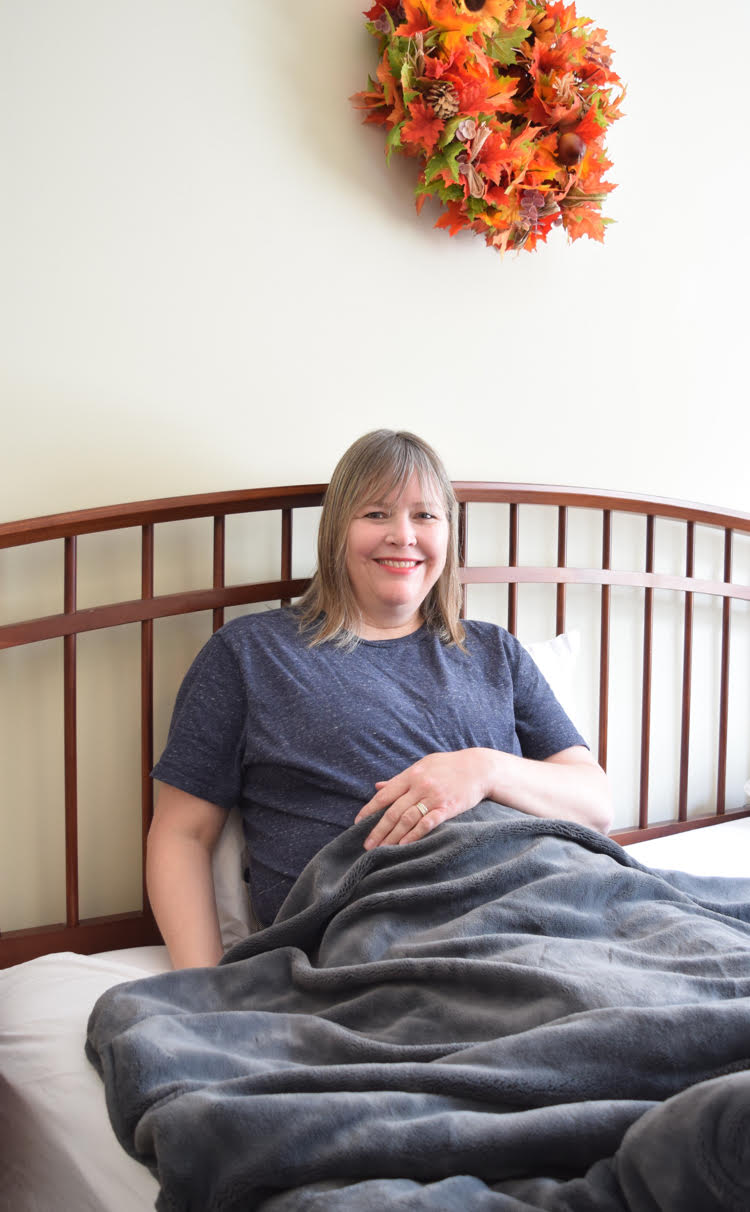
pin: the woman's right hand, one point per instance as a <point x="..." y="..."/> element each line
<point x="179" y="876"/>
<point x="434" y="789"/>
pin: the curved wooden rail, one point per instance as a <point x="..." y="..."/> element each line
<point x="138" y="926"/>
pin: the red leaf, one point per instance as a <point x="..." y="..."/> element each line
<point x="453" y="218"/>
<point x="422" y="127"/>
<point x="589" y="129"/>
<point x="583" y="221"/>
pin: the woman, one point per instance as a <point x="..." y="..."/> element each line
<point x="371" y="698"/>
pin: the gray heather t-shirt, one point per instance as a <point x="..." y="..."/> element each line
<point x="298" y="736"/>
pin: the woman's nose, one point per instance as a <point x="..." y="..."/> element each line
<point x="401" y="531"/>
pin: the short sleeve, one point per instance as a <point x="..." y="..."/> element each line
<point x="543" y="727"/>
<point x="205" y="746"/>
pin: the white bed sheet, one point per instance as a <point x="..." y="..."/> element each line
<point x="61" y="1153"/>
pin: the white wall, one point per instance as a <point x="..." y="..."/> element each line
<point x="210" y="278"/>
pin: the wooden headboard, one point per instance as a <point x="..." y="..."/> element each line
<point x="137" y="927"/>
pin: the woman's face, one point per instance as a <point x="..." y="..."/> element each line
<point x="396" y="549"/>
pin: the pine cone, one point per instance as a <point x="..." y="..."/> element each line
<point x="443" y="98"/>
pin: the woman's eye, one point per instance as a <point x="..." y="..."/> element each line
<point x="375" y="514"/>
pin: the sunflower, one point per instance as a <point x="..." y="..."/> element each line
<point x="454" y="17"/>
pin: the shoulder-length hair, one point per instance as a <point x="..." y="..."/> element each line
<point x="378" y="465"/>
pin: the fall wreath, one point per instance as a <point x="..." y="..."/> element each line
<point x="505" y="104"/>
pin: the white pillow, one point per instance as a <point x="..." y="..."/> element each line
<point x="557" y="660"/>
<point x="236" y="919"/>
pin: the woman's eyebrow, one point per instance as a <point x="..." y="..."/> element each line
<point x="389" y="504"/>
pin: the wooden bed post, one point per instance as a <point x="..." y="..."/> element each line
<point x="70" y="725"/>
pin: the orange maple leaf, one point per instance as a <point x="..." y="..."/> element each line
<point x="540" y="231"/>
<point x="434" y="68"/>
<point x="453" y="217"/>
<point x="502" y="94"/>
<point x="415" y="21"/>
<point x="496" y="155"/>
<point x="518" y="15"/>
<point x="497" y="197"/>
<point x="385" y="76"/>
<point x="472" y="97"/>
<point x="500" y="153"/>
<point x="391" y="91"/>
<point x="583" y="221"/>
<point x="566" y="15"/>
<point x="374" y="102"/>
<point x="589" y="129"/>
<point x="422" y="127"/>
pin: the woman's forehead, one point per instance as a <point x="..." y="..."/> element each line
<point x="389" y="488"/>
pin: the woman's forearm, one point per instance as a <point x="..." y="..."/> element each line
<point x="569" y="785"/>
<point x="565" y="786"/>
<point x="180" y="885"/>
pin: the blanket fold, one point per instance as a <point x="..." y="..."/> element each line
<point x="491" y="1013"/>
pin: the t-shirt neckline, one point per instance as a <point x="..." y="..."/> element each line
<point x="412" y="637"/>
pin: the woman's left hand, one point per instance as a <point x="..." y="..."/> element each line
<point x="445" y="784"/>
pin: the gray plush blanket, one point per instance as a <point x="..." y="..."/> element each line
<point x="511" y="1014"/>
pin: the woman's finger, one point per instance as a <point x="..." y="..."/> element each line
<point x="403" y="817"/>
<point x="387" y="794"/>
<point x="435" y="817"/>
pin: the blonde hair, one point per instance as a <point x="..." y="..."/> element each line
<point x="376" y="465"/>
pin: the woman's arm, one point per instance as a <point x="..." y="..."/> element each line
<point x="569" y="785"/>
<point x="179" y="877"/>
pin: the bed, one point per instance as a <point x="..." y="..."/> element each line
<point x="638" y="612"/>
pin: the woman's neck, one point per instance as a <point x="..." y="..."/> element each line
<point x="367" y="629"/>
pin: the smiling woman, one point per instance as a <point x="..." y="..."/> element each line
<point x="370" y="698"/>
<point x="388" y="493"/>
<point x="396" y="550"/>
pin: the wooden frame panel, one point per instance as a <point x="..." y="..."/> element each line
<point x="136" y="928"/>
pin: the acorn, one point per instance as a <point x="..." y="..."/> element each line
<point x="474" y="5"/>
<point x="570" y="149"/>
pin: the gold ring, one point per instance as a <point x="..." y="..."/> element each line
<point x="422" y="808"/>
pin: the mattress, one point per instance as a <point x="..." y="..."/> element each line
<point x="61" y="1151"/>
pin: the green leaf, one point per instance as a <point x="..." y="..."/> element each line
<point x="504" y="45"/>
<point x="393" y="141"/>
<point x="407" y="79"/>
<point x="475" y="207"/>
<point x="396" y="58"/>
<point x="438" y="189"/>
<point x="445" y="159"/>
<point x="450" y="130"/>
